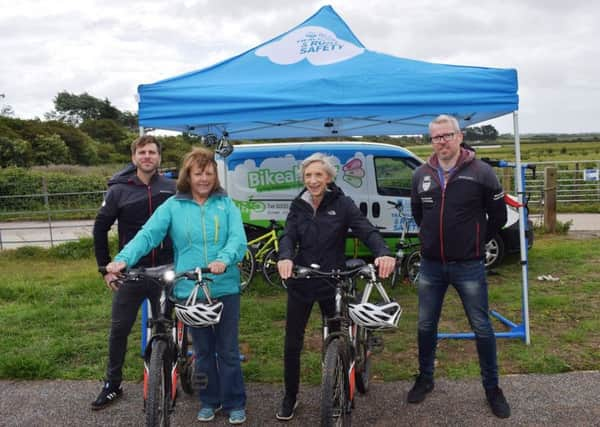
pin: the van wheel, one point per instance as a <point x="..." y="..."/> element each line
<point x="494" y="252"/>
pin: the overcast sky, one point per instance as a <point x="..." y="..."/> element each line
<point x="107" y="48"/>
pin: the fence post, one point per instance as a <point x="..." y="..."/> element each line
<point x="550" y="182"/>
<point x="507" y="174"/>
<point x="47" y="204"/>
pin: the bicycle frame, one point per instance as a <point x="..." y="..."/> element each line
<point x="265" y="242"/>
<point x="262" y="253"/>
<point x="269" y="240"/>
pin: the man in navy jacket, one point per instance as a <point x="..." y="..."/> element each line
<point x="459" y="205"/>
<point x="133" y="195"/>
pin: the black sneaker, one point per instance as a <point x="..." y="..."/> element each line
<point x="287" y="410"/>
<point x="498" y="402"/>
<point x="419" y="391"/>
<point x="108" y="395"/>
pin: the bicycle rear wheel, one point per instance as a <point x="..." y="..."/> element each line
<point x="247" y="269"/>
<point x="269" y="269"/>
<point x="413" y="264"/>
<point x="363" y="359"/>
<point x="158" y="404"/>
<point x="335" y="407"/>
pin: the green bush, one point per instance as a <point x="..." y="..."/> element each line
<point x="26" y="182"/>
<point x="78" y="249"/>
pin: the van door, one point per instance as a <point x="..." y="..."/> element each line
<point x="391" y="181"/>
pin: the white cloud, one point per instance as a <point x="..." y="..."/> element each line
<point x="109" y="47"/>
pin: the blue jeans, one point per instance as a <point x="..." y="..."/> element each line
<point x="468" y="278"/>
<point x="218" y="359"/>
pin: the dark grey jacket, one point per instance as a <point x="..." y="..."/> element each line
<point x="131" y="202"/>
<point x="456" y="221"/>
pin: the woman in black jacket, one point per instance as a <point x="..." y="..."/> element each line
<point x="315" y="233"/>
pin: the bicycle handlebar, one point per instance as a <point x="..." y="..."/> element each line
<point x="162" y="274"/>
<point x="301" y="272"/>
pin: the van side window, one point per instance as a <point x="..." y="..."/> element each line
<point x="394" y="175"/>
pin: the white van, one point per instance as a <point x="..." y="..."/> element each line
<point x="263" y="179"/>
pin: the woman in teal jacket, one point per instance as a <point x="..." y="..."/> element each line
<point x="206" y="229"/>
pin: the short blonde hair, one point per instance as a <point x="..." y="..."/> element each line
<point x="202" y="158"/>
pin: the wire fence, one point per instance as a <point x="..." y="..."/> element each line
<point x="47" y="218"/>
<point x="577" y="182"/>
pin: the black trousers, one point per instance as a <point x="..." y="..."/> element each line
<point x="125" y="306"/>
<point x="297" y="315"/>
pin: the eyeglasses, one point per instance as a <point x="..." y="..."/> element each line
<point x="447" y="137"/>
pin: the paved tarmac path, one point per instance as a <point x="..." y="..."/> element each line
<point x="569" y="399"/>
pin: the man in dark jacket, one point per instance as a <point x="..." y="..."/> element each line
<point x="458" y="204"/>
<point x="133" y="195"/>
<point x="315" y="233"/>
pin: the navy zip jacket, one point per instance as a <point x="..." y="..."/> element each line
<point x="131" y="202"/>
<point x="319" y="237"/>
<point x="457" y="220"/>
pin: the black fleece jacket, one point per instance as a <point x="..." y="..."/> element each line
<point x="457" y="220"/>
<point x="131" y="202"/>
<point x="319" y="237"/>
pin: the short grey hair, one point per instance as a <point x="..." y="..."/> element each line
<point x="325" y="160"/>
<point x="444" y="118"/>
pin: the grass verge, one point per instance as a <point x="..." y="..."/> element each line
<point x="55" y="313"/>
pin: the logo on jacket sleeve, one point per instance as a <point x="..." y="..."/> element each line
<point x="426" y="183"/>
<point x="331" y="212"/>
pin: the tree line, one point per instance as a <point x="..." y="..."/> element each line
<point x="85" y="130"/>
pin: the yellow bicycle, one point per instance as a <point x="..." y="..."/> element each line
<point x="263" y="252"/>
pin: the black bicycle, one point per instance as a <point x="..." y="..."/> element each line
<point x="408" y="253"/>
<point x="168" y="358"/>
<point x="347" y="336"/>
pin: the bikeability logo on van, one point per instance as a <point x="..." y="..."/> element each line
<point x="318" y="45"/>
<point x="265" y="179"/>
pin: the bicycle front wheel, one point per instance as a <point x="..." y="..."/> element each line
<point x="186" y="363"/>
<point x="363" y="359"/>
<point x="335" y="407"/>
<point x="247" y="269"/>
<point x="269" y="269"/>
<point x="159" y="387"/>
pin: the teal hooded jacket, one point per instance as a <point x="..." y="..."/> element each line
<point x="200" y="234"/>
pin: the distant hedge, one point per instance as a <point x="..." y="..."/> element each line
<point x="29" y="184"/>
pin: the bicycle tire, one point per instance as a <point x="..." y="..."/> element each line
<point x="334" y="387"/>
<point x="396" y="274"/>
<point x="269" y="269"/>
<point x="413" y="264"/>
<point x="363" y="359"/>
<point x="158" y="403"/>
<point x="186" y="370"/>
<point x="247" y="269"/>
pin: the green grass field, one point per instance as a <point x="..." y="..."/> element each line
<point x="55" y="313"/>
